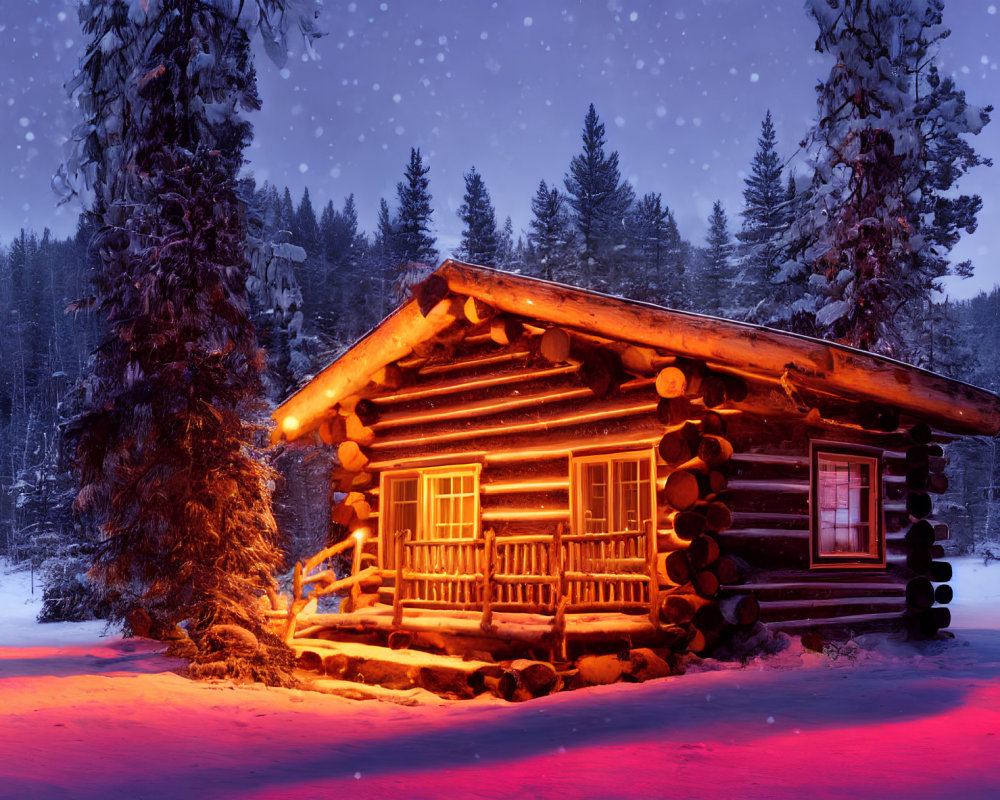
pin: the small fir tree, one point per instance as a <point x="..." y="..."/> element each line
<point x="551" y="240"/>
<point x="413" y="241"/>
<point x="600" y="201"/>
<point x="765" y="219"/>
<point x="716" y="275"/>
<point x="480" y="239"/>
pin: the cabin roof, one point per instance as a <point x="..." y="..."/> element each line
<point x="754" y="350"/>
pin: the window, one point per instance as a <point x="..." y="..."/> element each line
<point x="613" y="493"/>
<point x="846" y="506"/>
<point x="434" y="504"/>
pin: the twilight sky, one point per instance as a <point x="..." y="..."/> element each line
<point x="681" y="85"/>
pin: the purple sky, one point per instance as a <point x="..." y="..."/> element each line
<point x="682" y="86"/>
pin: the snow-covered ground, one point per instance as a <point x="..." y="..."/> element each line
<point x="89" y="715"/>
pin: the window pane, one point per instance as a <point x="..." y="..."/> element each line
<point x="401" y="514"/>
<point x="614" y="494"/>
<point x="453" y="506"/>
<point x="594" y="500"/>
<point x="844" y="504"/>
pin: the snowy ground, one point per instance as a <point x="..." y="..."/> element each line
<point x="88" y="715"/>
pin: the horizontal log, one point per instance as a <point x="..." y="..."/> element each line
<point x="504" y="377"/>
<point x="771" y="458"/>
<point x="749" y="518"/>
<point x="792" y="487"/>
<point x="499" y="514"/>
<point x="831" y="602"/>
<point x="833" y="608"/>
<point x="425" y="436"/>
<point x="503" y="452"/>
<point x="479" y="408"/>
<point x="790" y="625"/>
<point x="527" y="485"/>
<point x="764" y="533"/>
<point x="819" y="585"/>
<point x="475" y="362"/>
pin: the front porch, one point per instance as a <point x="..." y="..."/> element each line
<point x="490" y="593"/>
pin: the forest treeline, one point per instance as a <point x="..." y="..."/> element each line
<point x="851" y="248"/>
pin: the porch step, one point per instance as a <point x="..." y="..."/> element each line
<point x="396" y="670"/>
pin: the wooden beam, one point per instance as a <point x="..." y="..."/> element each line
<point x="424" y="437"/>
<point x="473" y="362"/>
<point x="798" y="360"/>
<point x="457" y="385"/>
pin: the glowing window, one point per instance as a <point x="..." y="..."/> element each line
<point x="433" y="504"/>
<point x="846" y="518"/>
<point x="613" y="493"/>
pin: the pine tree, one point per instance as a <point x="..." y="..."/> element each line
<point x="765" y="218"/>
<point x="650" y="229"/>
<point x="551" y="240"/>
<point x="507" y="248"/>
<point x="480" y="239"/>
<point x="164" y="452"/>
<point x="305" y="229"/>
<point x="600" y="201"/>
<point x="716" y="277"/>
<point x="881" y="214"/>
<point x="286" y="212"/>
<point x="412" y="238"/>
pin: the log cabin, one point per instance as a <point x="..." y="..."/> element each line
<point x="522" y="462"/>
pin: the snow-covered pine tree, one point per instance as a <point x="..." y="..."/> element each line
<point x="507" y="248"/>
<point x="881" y="215"/>
<point x="165" y="455"/>
<point x="414" y="244"/>
<point x="286" y="212"/>
<point x="600" y="201"/>
<point x="480" y="239"/>
<point x="652" y="234"/>
<point x="551" y="240"/>
<point x="716" y="278"/>
<point x="305" y="229"/>
<point x="765" y="219"/>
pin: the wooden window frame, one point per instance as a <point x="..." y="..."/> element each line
<point x="576" y="462"/>
<point x="847" y="453"/>
<point x="424" y="499"/>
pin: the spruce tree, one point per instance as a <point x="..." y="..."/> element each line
<point x="881" y="215"/>
<point x="507" y="247"/>
<point x="600" y="201"/>
<point x="764" y="218"/>
<point x="649" y="229"/>
<point x="551" y="240"/>
<point x="716" y="277"/>
<point x="165" y="454"/>
<point x="305" y="229"/>
<point x="480" y="240"/>
<point x="413" y="241"/>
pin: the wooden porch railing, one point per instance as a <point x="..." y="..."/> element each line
<point x="537" y="573"/>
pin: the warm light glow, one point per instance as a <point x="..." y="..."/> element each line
<point x="290" y="424"/>
<point x="360" y="534"/>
